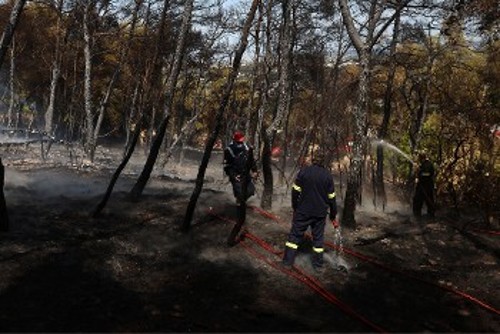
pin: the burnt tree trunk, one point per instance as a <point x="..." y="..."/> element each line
<point x="382" y="134"/>
<point x="139" y="186"/>
<point x="364" y="46"/>
<point x="218" y="120"/>
<point x="10" y="28"/>
<point x="4" y="216"/>
<point x="267" y="171"/>
<point x="116" y="175"/>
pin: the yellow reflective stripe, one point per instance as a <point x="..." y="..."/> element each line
<point x="331" y="196"/>
<point x="318" y="250"/>
<point x="296" y="187"/>
<point x="291" y="245"/>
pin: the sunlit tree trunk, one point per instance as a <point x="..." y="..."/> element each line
<point x="264" y="71"/>
<point x="56" y="74"/>
<point x="49" y="114"/>
<point x="363" y="45"/>
<point x="286" y="46"/>
<point x="87" y="84"/>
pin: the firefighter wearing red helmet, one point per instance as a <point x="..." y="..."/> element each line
<point x="239" y="165"/>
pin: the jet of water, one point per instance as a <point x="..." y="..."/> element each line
<point x="392" y="148"/>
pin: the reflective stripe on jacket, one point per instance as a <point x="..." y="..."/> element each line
<point x="313" y="192"/>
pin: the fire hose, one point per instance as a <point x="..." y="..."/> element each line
<point x="296" y="273"/>
<point x="381" y="265"/>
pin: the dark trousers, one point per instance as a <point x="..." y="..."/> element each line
<point x="238" y="188"/>
<point x="300" y="224"/>
<point x="424" y="193"/>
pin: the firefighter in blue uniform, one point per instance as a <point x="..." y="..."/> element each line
<point x="239" y="165"/>
<point x="424" y="190"/>
<point x="313" y="198"/>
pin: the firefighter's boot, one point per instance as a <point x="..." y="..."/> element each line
<point x="317" y="259"/>
<point x="290" y="253"/>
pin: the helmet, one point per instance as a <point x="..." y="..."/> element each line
<point x="238" y="136"/>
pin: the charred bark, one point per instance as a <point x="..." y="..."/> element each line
<point x="382" y="134"/>
<point x="116" y="175"/>
<point x="169" y="96"/>
<point x="267" y="173"/>
<point x="219" y="117"/>
<point x="4" y="216"/>
<point x="8" y="32"/>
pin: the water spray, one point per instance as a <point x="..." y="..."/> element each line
<point x="393" y="148"/>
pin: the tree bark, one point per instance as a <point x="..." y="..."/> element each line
<point x="12" y="90"/>
<point x="10" y="28"/>
<point x="56" y="74"/>
<point x="116" y="175"/>
<point x="4" y="216"/>
<point x="218" y="121"/>
<point x="267" y="173"/>
<point x="363" y="48"/>
<point x="87" y="84"/>
<point x="139" y="186"/>
<point x="382" y="133"/>
<point x="286" y="45"/>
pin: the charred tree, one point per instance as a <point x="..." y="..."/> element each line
<point x="12" y="86"/>
<point x="218" y="119"/>
<point x="4" y="216"/>
<point x="10" y="28"/>
<point x="283" y="108"/>
<point x="116" y="175"/>
<point x="382" y="133"/>
<point x="56" y="75"/>
<point x="139" y="186"/>
<point x="363" y="43"/>
<point x="267" y="173"/>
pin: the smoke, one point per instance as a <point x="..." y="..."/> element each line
<point x="14" y="179"/>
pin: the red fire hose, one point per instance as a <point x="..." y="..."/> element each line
<point x="304" y="278"/>
<point x="296" y="273"/>
<point x="386" y="267"/>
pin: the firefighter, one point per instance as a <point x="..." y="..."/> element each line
<point x="239" y="164"/>
<point x="313" y="198"/>
<point x="424" y="190"/>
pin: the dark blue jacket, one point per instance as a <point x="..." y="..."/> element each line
<point x="238" y="157"/>
<point x="425" y="174"/>
<point x="313" y="192"/>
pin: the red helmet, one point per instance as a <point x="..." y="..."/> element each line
<point x="238" y="136"/>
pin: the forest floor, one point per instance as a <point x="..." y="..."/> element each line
<point x="133" y="270"/>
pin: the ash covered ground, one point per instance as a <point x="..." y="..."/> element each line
<point x="133" y="270"/>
